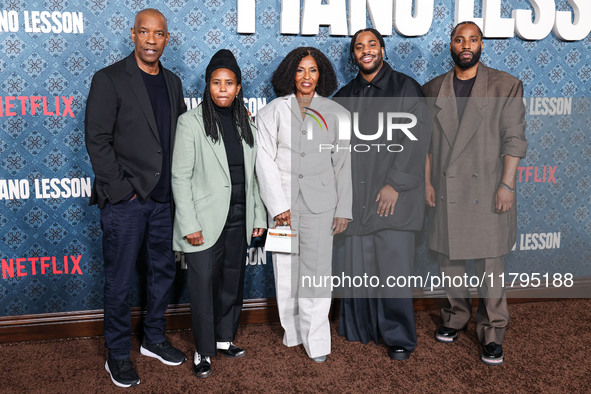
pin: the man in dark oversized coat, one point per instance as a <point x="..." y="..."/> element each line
<point x="388" y="190"/>
<point x="478" y="139"/>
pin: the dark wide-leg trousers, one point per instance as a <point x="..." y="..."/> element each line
<point x="370" y="313"/>
<point x="126" y="227"/>
<point x="216" y="284"/>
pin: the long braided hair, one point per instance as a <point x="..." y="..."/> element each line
<point x="213" y="125"/>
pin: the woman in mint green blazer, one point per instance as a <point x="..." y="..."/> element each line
<point x="218" y="208"/>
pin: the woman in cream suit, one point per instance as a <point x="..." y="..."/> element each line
<point x="306" y="183"/>
<point x="218" y="208"/>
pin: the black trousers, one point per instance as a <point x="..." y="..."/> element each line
<point x="216" y="281"/>
<point x="369" y="313"/>
<point x="127" y="227"/>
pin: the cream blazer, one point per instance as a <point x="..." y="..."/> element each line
<point x="289" y="162"/>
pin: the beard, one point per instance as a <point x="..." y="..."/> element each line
<point x="465" y="64"/>
<point x="372" y="67"/>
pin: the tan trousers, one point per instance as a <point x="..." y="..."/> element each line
<point x="492" y="316"/>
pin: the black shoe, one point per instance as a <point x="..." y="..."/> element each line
<point x="492" y="354"/>
<point x="233" y="351"/>
<point x="446" y="334"/>
<point x="203" y="368"/>
<point x="122" y="372"/>
<point x="398" y="353"/>
<point x="164" y="352"/>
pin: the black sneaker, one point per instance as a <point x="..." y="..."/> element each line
<point x="446" y="334"/>
<point x="398" y="353"/>
<point x="164" y="352"/>
<point x="122" y="372"/>
<point x="492" y="354"/>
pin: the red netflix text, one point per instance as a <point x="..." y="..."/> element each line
<point x="36" y="105"/>
<point x="543" y="174"/>
<point x="25" y="266"/>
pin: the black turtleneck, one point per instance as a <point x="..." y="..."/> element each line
<point x="232" y="143"/>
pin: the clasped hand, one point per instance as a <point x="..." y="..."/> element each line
<point x="338" y="224"/>
<point x="195" y="239"/>
<point x="283" y="219"/>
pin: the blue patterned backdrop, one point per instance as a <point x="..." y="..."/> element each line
<point x="35" y="148"/>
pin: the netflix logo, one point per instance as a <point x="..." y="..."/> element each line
<point x="25" y="266"/>
<point x="36" y="105"/>
<point x="538" y="174"/>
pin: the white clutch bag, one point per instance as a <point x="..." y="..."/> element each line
<point x="282" y="239"/>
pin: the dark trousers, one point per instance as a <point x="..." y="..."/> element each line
<point x="216" y="283"/>
<point x="369" y="313"/>
<point x="126" y="227"/>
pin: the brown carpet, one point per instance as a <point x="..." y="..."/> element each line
<point x="547" y="349"/>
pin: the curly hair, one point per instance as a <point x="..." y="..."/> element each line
<point x="213" y="125"/>
<point x="283" y="79"/>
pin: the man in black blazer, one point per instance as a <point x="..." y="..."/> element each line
<point x="131" y="116"/>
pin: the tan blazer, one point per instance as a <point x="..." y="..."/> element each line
<point x="467" y="164"/>
<point x="201" y="185"/>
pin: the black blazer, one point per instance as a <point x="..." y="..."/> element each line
<point x="121" y="133"/>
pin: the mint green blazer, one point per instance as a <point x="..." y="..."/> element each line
<point x="201" y="185"/>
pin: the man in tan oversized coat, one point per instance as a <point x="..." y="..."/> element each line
<point x="478" y="139"/>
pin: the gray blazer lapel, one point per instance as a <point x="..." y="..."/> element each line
<point x="139" y="88"/>
<point x="290" y="101"/>
<point x="296" y="116"/>
<point x="448" y="113"/>
<point x="473" y="113"/>
<point x="249" y="156"/>
<point x="218" y="147"/>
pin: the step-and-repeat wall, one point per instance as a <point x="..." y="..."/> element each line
<point x="50" y="239"/>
